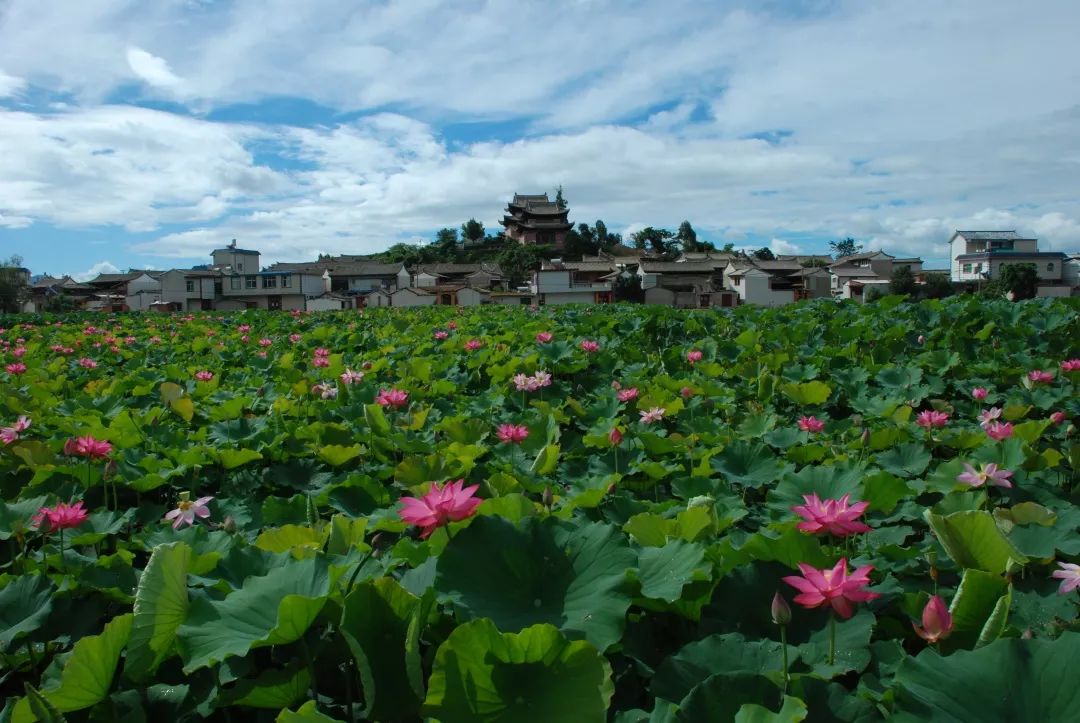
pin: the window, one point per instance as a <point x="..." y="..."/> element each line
<point x="190" y="286"/>
<point x="286" y="281"/>
<point x="234" y="283"/>
<point x="239" y="265"/>
<point x="269" y="282"/>
<point x="1050" y="267"/>
<point x="249" y="282"/>
<point x="967" y="268"/>
<point x="525" y="301"/>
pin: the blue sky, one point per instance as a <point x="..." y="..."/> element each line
<point x="138" y="135"/>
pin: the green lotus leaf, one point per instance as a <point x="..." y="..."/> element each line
<point x="25" y="604"/>
<point x="792" y="710"/>
<point x="729" y="654"/>
<point x="973" y="539"/>
<point x="271" y="610"/>
<point x="905" y="460"/>
<point x="572" y="577"/>
<point x="307" y="713"/>
<point x="973" y="606"/>
<point x="749" y="463"/>
<point x="336" y="455"/>
<point x="273" y="689"/>
<point x="534" y="676"/>
<point x="375" y="623"/>
<point x="233" y="458"/>
<point x="161" y="605"/>
<point x="808" y="393"/>
<point x="87" y="675"/>
<point x="665" y="571"/>
<point x="1007" y="680"/>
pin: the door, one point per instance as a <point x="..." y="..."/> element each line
<point x="273" y="303"/>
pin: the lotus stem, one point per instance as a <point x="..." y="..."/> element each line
<point x="311" y="670"/>
<point x="783" y="654"/>
<point x="62" y="550"/>
<point x="832" y="639"/>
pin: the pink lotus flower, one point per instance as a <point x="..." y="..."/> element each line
<point x="204" y="376"/>
<point x="626" y="395"/>
<point x="440" y="335"/>
<point x="87" y="447"/>
<point x="1040" y="377"/>
<point x="589" y="346"/>
<point x="833" y="587"/>
<point x="21" y="424"/>
<point x="694" y="356"/>
<point x="989" y="415"/>
<point x="87" y="363"/>
<point x="351" y="377"/>
<point x="16" y="368"/>
<point x="999" y="431"/>
<point x="395" y="398"/>
<point x="1069" y="574"/>
<point x="321" y="352"/>
<point x="979" y="393"/>
<point x="264" y="342"/>
<point x="243" y="328"/>
<point x="832" y="517"/>
<point x="320" y="362"/>
<point x="61" y="517"/>
<point x="325" y="391"/>
<point x="544" y="337"/>
<point x="524" y="383"/>
<point x="686" y="392"/>
<point x="473" y="344"/>
<point x="1058" y="417"/>
<point x="921" y="340"/>
<point x="18" y="352"/>
<point x="652" y="415"/>
<point x="937" y="623"/>
<point x="8" y="435"/>
<point x="543" y="379"/>
<point x="987" y="474"/>
<point x="452" y="325"/>
<point x="186" y="511"/>
<point x="615" y="436"/>
<point x="512" y="433"/>
<point x="811" y="424"/>
<point x="1070" y="365"/>
<point x="295" y="338"/>
<point x="932" y="418"/>
<point x="442" y="505"/>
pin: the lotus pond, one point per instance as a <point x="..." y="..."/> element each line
<point x="823" y="512"/>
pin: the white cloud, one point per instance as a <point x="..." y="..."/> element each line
<point x="10" y="85"/>
<point x="780" y="247"/>
<point x="151" y="69"/>
<point x="101" y="267"/>
<point x="819" y="122"/>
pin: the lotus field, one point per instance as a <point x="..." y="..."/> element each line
<point x="823" y="512"/>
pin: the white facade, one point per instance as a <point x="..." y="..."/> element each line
<point x="557" y="286"/>
<point x="410" y="297"/>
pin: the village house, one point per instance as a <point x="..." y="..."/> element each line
<point x="852" y="275"/>
<point x="480" y="276"/>
<point x="978" y="256"/>
<point x="685" y="284"/>
<point x="558" y="284"/>
<point x="535" y="219"/>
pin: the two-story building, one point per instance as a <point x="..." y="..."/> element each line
<point x="979" y="256"/>
<point x="562" y="285"/>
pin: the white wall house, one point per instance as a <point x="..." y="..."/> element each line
<point x="980" y="255"/>
<point x="558" y="286"/>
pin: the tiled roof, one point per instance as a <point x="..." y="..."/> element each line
<point x="860" y="257"/>
<point x="677" y="267"/>
<point x="1010" y="235"/>
<point x="339" y="268"/>
<point x="443" y="269"/>
<point x="864" y="273"/>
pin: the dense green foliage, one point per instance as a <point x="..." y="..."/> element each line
<point x="628" y="582"/>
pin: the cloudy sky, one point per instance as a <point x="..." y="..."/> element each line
<point x="144" y="134"/>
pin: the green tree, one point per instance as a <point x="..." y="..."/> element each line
<point x="628" y="288"/>
<point x="518" y="262"/>
<point x="13" y="287"/>
<point x="764" y="254"/>
<point x="937" y="286"/>
<point x="560" y="201"/>
<point x="603" y="239"/>
<point x="445" y="245"/>
<point x="687" y="237"/>
<point x="902" y="281"/>
<point x="1022" y="280"/>
<point x="846" y="246"/>
<point x="580" y="241"/>
<point x="472" y="230"/>
<point x="659" y="239"/>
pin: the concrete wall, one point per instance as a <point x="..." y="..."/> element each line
<point x="426" y="279"/>
<point x="757" y="291"/>
<point x="568" y="297"/>
<point x="512" y="300"/>
<point x="325" y="304"/>
<point x="408" y="298"/>
<point x="470" y="297"/>
<point x="1057" y="291"/>
<point x="241" y="263"/>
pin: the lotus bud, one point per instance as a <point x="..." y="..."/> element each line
<point x="781" y="611"/>
<point x="866" y="437"/>
<point x="615" y="437"/>
<point x="700" y="501"/>
<point x="312" y="513"/>
<point x="937" y="622"/>
<point x="229" y="525"/>
<point x="547" y="498"/>
<point x="366" y="365"/>
<point x="856" y="420"/>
